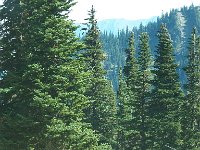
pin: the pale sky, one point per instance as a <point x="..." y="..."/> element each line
<point x="127" y="9"/>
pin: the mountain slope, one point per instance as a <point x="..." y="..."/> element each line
<point x="114" y="25"/>
<point x="179" y="23"/>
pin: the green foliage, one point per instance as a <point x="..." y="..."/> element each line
<point x="94" y="55"/>
<point x="132" y="98"/>
<point x="114" y="46"/>
<point x="101" y="111"/>
<point x="179" y="22"/>
<point x="131" y="134"/>
<point x="54" y="93"/>
<point x="166" y="96"/>
<point x="122" y="98"/>
<point x="43" y="86"/>
<point x="130" y="69"/>
<point x="191" y="111"/>
<point x="144" y="89"/>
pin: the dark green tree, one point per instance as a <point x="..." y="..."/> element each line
<point x="167" y="96"/>
<point x="122" y="97"/>
<point x="144" y="89"/>
<point x="134" y="113"/>
<point x="102" y="110"/>
<point x="43" y="82"/>
<point x="131" y="76"/>
<point x="131" y="68"/>
<point x="191" y="107"/>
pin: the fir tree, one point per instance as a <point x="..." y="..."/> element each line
<point x="122" y="97"/>
<point x="131" y="75"/>
<point x="42" y="86"/>
<point x="191" y="107"/>
<point x="144" y="88"/>
<point x="166" y="96"/>
<point x="130" y="69"/>
<point x="101" y="112"/>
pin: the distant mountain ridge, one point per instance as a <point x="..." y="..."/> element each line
<point x="179" y="22"/>
<point x="114" y="25"/>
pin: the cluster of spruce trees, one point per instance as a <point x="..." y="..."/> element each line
<point x="54" y="94"/>
<point x="179" y="23"/>
<point x="154" y="112"/>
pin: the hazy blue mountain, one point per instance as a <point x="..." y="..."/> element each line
<point x="114" y="25"/>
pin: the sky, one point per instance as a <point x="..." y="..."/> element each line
<point x="126" y="9"/>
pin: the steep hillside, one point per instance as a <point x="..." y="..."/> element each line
<point x="179" y="23"/>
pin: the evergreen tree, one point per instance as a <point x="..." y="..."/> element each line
<point x="134" y="113"/>
<point x="130" y="69"/>
<point x="179" y="23"/>
<point x="43" y="82"/>
<point x="122" y="97"/>
<point x="166" y="96"/>
<point x="101" y="112"/>
<point x="131" y="76"/>
<point x="144" y="88"/>
<point x="191" y="107"/>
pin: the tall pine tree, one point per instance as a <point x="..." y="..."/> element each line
<point x="191" y="107"/>
<point x="42" y="86"/>
<point x="166" y="96"/>
<point x="122" y="98"/>
<point x="131" y="68"/>
<point x="101" y="112"/>
<point x="144" y="89"/>
<point x="131" y="78"/>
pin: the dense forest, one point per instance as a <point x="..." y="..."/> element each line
<point x="179" y="23"/>
<point x="138" y="90"/>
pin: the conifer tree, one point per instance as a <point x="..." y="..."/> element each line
<point x="42" y="86"/>
<point x="101" y="112"/>
<point x="144" y="88"/>
<point x="135" y="107"/>
<point x="131" y="76"/>
<point x="191" y="107"/>
<point x="130" y="69"/>
<point x="166" y="96"/>
<point x="122" y="97"/>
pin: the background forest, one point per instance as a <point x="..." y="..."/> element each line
<point x="137" y="90"/>
<point x="179" y="23"/>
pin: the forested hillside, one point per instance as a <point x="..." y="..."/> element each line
<point x="179" y="22"/>
<point x="55" y="92"/>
